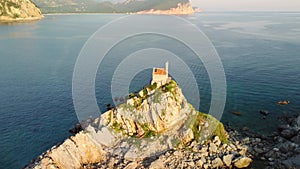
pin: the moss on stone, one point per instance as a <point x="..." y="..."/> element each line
<point x="148" y="133"/>
<point x="16" y="15"/>
<point x="215" y="128"/>
<point x="117" y="127"/>
<point x="109" y="118"/>
<point x="156" y="96"/>
<point x="175" y="142"/>
<point x="171" y="87"/>
<point x="131" y="95"/>
<point x="137" y="103"/>
<point x="127" y="107"/>
<point x="163" y="112"/>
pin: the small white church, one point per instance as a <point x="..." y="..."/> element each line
<point x="161" y="75"/>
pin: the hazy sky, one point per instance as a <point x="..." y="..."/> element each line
<point x="247" y="5"/>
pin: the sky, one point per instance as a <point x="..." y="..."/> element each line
<point x="247" y="5"/>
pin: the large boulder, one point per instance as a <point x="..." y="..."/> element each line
<point x="242" y="162"/>
<point x="227" y="159"/>
<point x="216" y="163"/>
<point x="157" y="164"/>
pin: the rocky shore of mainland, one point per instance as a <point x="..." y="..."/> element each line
<point x="278" y="150"/>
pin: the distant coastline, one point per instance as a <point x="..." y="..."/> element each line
<point x="182" y="9"/>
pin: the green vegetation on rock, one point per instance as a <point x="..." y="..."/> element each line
<point x="203" y="126"/>
<point x="153" y="86"/>
<point x="117" y="127"/>
<point x="214" y="125"/>
<point x="148" y="132"/>
<point x="215" y="128"/>
<point x="12" y="4"/>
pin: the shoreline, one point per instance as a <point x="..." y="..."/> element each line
<point x="274" y="151"/>
<point x="93" y="13"/>
<point x="19" y="20"/>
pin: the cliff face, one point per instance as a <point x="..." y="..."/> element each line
<point x="18" y="10"/>
<point x="182" y="9"/>
<point x="154" y="121"/>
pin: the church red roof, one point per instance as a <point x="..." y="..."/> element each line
<point x="160" y="71"/>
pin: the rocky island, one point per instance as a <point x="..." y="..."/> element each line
<point x="154" y="128"/>
<point x="19" y="10"/>
<point x="181" y="9"/>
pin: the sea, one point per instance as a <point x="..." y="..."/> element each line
<point x="259" y="52"/>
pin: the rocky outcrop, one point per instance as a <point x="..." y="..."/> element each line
<point x="182" y="9"/>
<point x="18" y="10"/>
<point x="155" y="128"/>
<point x="73" y="153"/>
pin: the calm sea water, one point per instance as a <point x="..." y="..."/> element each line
<point x="259" y="51"/>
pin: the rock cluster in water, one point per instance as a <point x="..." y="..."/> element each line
<point x="19" y="10"/>
<point x="154" y="128"/>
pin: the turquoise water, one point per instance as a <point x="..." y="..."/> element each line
<point x="259" y="51"/>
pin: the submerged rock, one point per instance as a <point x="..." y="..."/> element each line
<point x="298" y="121"/>
<point x="264" y="112"/>
<point x="293" y="162"/>
<point x="288" y="133"/>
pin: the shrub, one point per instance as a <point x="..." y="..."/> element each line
<point x="148" y="132"/>
<point x="131" y="95"/>
<point x="153" y="86"/>
<point x="12" y="4"/>
<point x="16" y="15"/>
<point x="145" y="92"/>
